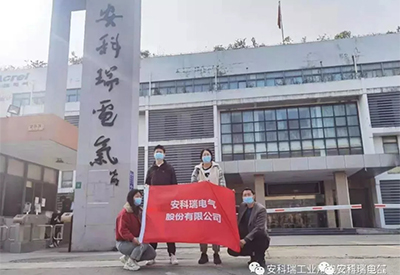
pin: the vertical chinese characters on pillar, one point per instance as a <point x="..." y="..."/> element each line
<point x="110" y="81"/>
<point x="106" y="115"/>
<point x="116" y="47"/>
<point x="108" y="15"/>
<point x="108" y="77"/>
<point x="114" y="179"/>
<point x="102" y="142"/>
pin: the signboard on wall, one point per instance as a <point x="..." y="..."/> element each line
<point x="12" y="79"/>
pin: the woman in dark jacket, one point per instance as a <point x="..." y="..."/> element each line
<point x="127" y="233"/>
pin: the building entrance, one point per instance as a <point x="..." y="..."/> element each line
<point x="290" y="196"/>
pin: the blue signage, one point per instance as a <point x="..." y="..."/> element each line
<point x="131" y="186"/>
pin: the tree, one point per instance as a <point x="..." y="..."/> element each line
<point x="397" y="30"/>
<point x="239" y="44"/>
<point x="219" y="48"/>
<point x="253" y="40"/>
<point x="8" y="68"/>
<point x="323" y="37"/>
<point x="343" y="35"/>
<point x="145" y="54"/>
<point x="287" y="40"/>
<point x="35" y="64"/>
<point x="304" y="39"/>
<point x="74" y="59"/>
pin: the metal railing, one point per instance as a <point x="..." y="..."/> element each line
<point x="44" y="226"/>
<point x="61" y="233"/>
<point x="3" y="229"/>
<point x="9" y="232"/>
<point x="5" y="232"/>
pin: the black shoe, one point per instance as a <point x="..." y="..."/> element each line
<point x="261" y="262"/>
<point x="217" y="259"/>
<point x="203" y="258"/>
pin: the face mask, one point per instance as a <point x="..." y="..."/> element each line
<point x="159" y="156"/>
<point x="248" y="200"/>
<point x="207" y="159"/>
<point x="138" y="201"/>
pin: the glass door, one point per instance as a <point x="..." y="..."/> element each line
<point x="292" y="219"/>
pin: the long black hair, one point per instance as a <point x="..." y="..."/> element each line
<point x="130" y="200"/>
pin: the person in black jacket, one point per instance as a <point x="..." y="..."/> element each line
<point x="162" y="173"/>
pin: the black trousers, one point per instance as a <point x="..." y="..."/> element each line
<point x="171" y="248"/>
<point x="255" y="249"/>
<point x="56" y="219"/>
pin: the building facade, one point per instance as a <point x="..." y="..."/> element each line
<point x="307" y="124"/>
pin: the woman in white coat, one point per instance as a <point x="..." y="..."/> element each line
<point x="208" y="170"/>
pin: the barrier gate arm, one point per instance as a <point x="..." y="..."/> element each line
<point x="313" y="208"/>
<point x="387" y="206"/>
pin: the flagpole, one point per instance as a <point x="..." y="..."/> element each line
<point x="281" y="23"/>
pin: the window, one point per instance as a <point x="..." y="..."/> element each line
<point x="332" y="74"/>
<point x="312" y="76"/>
<point x="38" y="98"/>
<point x="291" y="132"/>
<point x="21" y="99"/>
<point x="144" y="89"/>
<point x="391" y="68"/>
<point x="390" y="145"/>
<point x="348" y="72"/>
<point x="372" y="70"/>
<point x="67" y="179"/>
<point x="293" y="78"/>
<point x="73" y="95"/>
<point x="167" y="88"/>
<point x="290" y="77"/>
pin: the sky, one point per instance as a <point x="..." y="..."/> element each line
<point x="186" y="26"/>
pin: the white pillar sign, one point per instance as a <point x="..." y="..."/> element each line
<point x="108" y="128"/>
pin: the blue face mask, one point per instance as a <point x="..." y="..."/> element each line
<point x="159" y="156"/>
<point x="207" y="159"/>
<point x="248" y="200"/>
<point x="138" y="201"/>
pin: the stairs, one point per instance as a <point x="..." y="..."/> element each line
<point x="312" y="231"/>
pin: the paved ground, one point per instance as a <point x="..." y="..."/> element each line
<point x="377" y="254"/>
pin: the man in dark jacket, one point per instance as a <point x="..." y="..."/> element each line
<point x="162" y="173"/>
<point x="252" y="220"/>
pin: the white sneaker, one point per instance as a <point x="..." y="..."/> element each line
<point x="124" y="259"/>
<point x="131" y="265"/>
<point x="173" y="260"/>
<point x="151" y="262"/>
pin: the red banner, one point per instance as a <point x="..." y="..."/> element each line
<point x="191" y="213"/>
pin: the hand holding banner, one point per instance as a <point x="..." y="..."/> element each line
<point x="192" y="213"/>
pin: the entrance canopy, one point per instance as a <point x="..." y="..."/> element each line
<point x="42" y="139"/>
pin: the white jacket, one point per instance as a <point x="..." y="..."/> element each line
<point x="216" y="174"/>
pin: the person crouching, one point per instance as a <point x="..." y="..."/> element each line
<point x="127" y="233"/>
<point x="252" y="221"/>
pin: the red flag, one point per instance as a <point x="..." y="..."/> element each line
<point x="191" y="213"/>
<point x="279" y="15"/>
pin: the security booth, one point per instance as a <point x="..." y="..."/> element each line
<point x="31" y="148"/>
